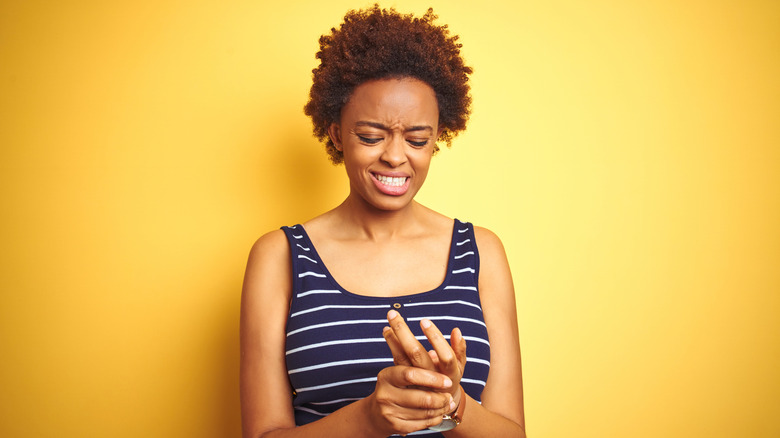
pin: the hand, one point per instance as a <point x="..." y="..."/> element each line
<point x="407" y="399"/>
<point x="448" y="359"/>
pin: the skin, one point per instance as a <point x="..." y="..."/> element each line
<point x="387" y="128"/>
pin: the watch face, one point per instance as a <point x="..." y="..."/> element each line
<point x="447" y="424"/>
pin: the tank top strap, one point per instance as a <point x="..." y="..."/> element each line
<point x="303" y="256"/>
<point x="312" y="284"/>
<point x="464" y="258"/>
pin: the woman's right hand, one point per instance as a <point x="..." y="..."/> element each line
<point x="408" y="399"/>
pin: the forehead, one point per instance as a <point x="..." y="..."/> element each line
<point x="392" y="101"/>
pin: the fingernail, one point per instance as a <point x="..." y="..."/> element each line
<point x="392" y="314"/>
<point x="425" y="323"/>
<point x="447" y="382"/>
<point x="452" y="404"/>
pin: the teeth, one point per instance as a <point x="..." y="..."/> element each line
<point x="395" y="181"/>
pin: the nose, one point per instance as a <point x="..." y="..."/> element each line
<point x="394" y="153"/>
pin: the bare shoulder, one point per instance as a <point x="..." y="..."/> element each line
<point x="487" y="241"/>
<point x="495" y="278"/>
<point x="271" y="247"/>
<point x="273" y="243"/>
<point x="269" y="262"/>
<point x="491" y="251"/>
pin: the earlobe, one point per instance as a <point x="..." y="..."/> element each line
<point x="334" y="132"/>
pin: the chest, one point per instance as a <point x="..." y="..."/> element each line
<point x="387" y="269"/>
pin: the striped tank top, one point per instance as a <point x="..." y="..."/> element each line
<point x="334" y="345"/>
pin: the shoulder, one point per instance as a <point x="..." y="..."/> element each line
<point x="269" y="262"/>
<point x="273" y="241"/>
<point x="487" y="241"/>
<point x="270" y="245"/>
<point x="491" y="250"/>
<point x="494" y="273"/>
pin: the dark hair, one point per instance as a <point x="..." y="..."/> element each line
<point x="379" y="44"/>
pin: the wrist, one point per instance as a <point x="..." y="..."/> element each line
<point x="458" y="397"/>
<point x="369" y="409"/>
<point x="461" y="404"/>
<point x="453" y="419"/>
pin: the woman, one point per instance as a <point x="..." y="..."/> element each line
<point x="356" y="323"/>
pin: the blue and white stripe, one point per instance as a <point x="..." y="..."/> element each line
<point x="334" y="345"/>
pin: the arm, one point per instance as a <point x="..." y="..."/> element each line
<point x="501" y="411"/>
<point x="266" y="395"/>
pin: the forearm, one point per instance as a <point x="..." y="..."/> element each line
<point x="478" y="422"/>
<point x="351" y="420"/>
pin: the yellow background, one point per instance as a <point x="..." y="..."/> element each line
<point x="626" y="152"/>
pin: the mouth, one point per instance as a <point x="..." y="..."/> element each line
<point x="391" y="185"/>
<point x="392" y="181"/>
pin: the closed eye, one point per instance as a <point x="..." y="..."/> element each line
<point x="369" y="140"/>
<point x="418" y="144"/>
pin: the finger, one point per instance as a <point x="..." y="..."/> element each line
<point x="458" y="343"/>
<point x="409" y="388"/>
<point x="448" y="362"/>
<point x="412" y="348"/>
<point x="420" y="404"/>
<point x="399" y="356"/>
<point x="403" y="376"/>
<point x="434" y="357"/>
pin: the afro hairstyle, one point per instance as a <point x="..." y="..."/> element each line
<point x="377" y="44"/>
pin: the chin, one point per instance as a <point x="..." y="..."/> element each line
<point x="391" y="204"/>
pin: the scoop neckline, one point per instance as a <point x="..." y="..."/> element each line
<point x="346" y="292"/>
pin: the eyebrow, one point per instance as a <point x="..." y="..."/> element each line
<point x="387" y="128"/>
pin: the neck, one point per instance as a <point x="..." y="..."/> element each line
<point x="375" y="224"/>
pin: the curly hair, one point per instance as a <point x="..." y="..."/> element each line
<point x="379" y="44"/>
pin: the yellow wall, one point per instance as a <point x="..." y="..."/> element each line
<point x="626" y="152"/>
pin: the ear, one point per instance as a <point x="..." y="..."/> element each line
<point x="334" y="132"/>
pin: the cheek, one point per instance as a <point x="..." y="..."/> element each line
<point x="356" y="160"/>
<point x="422" y="164"/>
<point x="359" y="157"/>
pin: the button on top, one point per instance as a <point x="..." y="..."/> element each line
<point x="397" y="306"/>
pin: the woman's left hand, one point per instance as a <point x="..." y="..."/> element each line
<point x="446" y="358"/>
